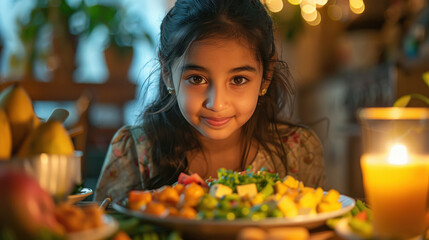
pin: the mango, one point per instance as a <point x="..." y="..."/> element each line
<point x="49" y="137"/>
<point x="18" y="107"/>
<point x="5" y="138"/>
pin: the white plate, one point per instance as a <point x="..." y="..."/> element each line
<point x="84" y="192"/>
<point x="231" y="228"/>
<point x="109" y="227"/>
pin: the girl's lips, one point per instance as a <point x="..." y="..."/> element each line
<point x="217" y="122"/>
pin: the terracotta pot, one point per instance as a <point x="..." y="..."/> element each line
<point x="118" y="61"/>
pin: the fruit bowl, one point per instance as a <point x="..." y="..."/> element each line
<point x="57" y="174"/>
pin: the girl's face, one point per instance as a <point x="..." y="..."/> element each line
<point x="217" y="85"/>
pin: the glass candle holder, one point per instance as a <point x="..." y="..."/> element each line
<point x="395" y="169"/>
<point x="57" y="174"/>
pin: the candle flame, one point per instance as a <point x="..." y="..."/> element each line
<point x="398" y="154"/>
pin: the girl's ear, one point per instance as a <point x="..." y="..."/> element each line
<point x="166" y="77"/>
<point x="266" y="81"/>
<point x="168" y="81"/>
<point x="165" y="73"/>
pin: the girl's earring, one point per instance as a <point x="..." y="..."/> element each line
<point x="170" y="90"/>
<point x="263" y="92"/>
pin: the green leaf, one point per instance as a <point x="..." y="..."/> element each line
<point x="420" y="97"/>
<point x="426" y="78"/>
<point x="402" y="101"/>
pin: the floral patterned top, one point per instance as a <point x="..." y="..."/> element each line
<point x="128" y="161"/>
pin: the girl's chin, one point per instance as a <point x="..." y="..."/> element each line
<point x="217" y="135"/>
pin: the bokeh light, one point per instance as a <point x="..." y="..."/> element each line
<point x="274" y="5"/>
<point x="294" y="2"/>
<point x="334" y="12"/>
<point x="316" y="21"/>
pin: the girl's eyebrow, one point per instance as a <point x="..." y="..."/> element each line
<point x="187" y="67"/>
<point x="248" y="68"/>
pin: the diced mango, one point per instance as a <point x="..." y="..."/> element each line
<point x="287" y="206"/>
<point x="257" y="199"/>
<point x="188" y="212"/>
<point x="280" y="188"/>
<point x="307" y="189"/>
<point x="139" y="195"/>
<point x="318" y="193"/>
<point x="155" y="208"/>
<point x="248" y="190"/>
<point x="307" y="200"/>
<point x="219" y="190"/>
<point x="168" y="195"/>
<point x="331" y="197"/>
<point x="137" y="199"/>
<point x="193" y="191"/>
<point x="292" y="193"/>
<point x="179" y="188"/>
<point x="291" y="182"/>
<point x="328" y="207"/>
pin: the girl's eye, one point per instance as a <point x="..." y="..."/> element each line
<point x="239" y="81"/>
<point x="196" y="80"/>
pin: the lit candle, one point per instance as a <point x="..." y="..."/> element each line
<point x="396" y="187"/>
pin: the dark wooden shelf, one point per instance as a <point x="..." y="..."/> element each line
<point x="117" y="91"/>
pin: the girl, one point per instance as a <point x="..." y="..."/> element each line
<point x="221" y="91"/>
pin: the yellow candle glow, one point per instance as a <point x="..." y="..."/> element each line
<point x="396" y="187"/>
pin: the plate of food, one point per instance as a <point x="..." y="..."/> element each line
<point x="239" y="199"/>
<point x="79" y="195"/>
<point x="356" y="224"/>
<point x="85" y="222"/>
<point x="108" y="227"/>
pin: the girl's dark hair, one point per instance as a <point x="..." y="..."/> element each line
<point x="170" y="135"/>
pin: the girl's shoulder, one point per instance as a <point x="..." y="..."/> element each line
<point x="289" y="129"/>
<point x="296" y="135"/>
<point x="126" y="131"/>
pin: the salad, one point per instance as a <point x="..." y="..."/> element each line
<point x="358" y="220"/>
<point x="233" y="195"/>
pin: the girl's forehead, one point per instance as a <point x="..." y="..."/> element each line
<point x="217" y="42"/>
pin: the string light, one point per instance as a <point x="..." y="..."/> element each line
<point x="357" y="6"/>
<point x="316" y="21"/>
<point x="321" y="3"/>
<point x="274" y="5"/>
<point x="309" y="8"/>
<point x="335" y="12"/>
<point x="294" y="2"/>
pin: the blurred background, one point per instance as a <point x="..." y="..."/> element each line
<point x="92" y="56"/>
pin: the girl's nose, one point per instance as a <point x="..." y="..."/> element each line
<point x="216" y="98"/>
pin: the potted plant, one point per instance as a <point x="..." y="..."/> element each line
<point x="68" y="23"/>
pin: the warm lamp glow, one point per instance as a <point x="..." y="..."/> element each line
<point x="398" y="155"/>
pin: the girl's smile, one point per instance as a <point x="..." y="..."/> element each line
<point x="217" y="83"/>
<point x="217" y="122"/>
